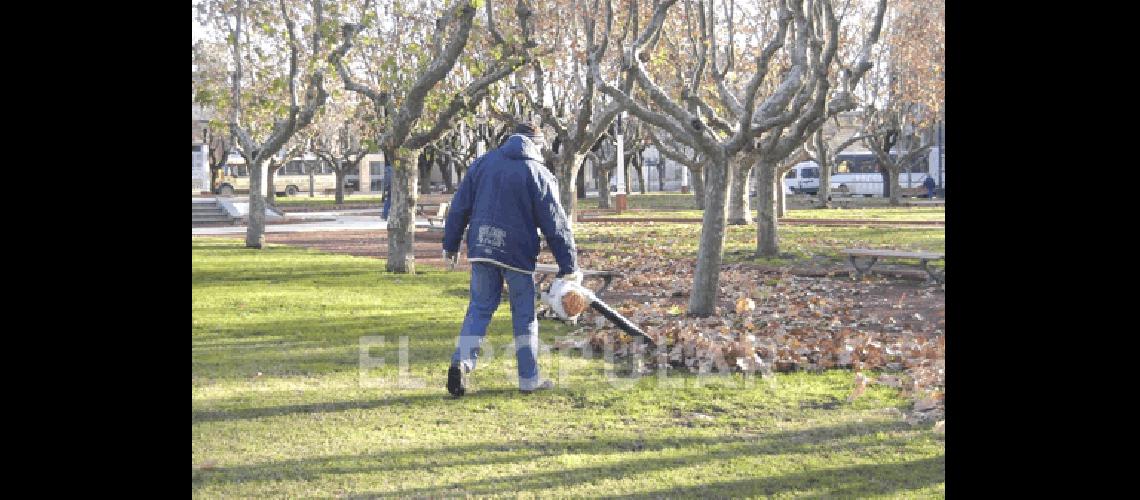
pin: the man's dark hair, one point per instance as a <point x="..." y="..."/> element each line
<point x="528" y="127"/>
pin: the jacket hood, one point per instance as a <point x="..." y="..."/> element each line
<point x="520" y="147"/>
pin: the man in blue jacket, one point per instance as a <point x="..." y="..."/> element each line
<point x="506" y="197"/>
<point x="929" y="184"/>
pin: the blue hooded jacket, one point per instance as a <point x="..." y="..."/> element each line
<point x="506" y="197"/>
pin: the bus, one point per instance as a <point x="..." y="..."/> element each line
<point x="857" y="173"/>
<point x="291" y="179"/>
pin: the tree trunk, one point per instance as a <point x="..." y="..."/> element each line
<point x="698" y="182"/>
<point x="886" y="175"/>
<point x="402" y="217"/>
<point x="706" y="278"/>
<point x="661" y="175"/>
<point x="781" y="206"/>
<point x="255" y="231"/>
<point x="603" y="180"/>
<point x="425" y="163"/>
<point x="566" y="168"/>
<point x="445" y="169"/>
<point x="640" y="177"/>
<point x="824" y="192"/>
<point x="767" y="242"/>
<point x="271" y="193"/>
<point x="895" y="191"/>
<point x="738" y="211"/>
<point x="340" y="186"/>
<point x="312" y="182"/>
<point x="581" y="183"/>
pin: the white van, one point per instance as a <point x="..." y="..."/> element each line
<point x="802" y="179"/>
<point x="857" y="173"/>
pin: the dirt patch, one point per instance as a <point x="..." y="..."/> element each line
<point x="428" y="248"/>
<point x="330" y="208"/>
<point x="273" y="222"/>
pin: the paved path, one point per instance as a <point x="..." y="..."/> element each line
<point x="345" y="220"/>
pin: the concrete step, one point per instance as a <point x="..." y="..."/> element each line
<point x="212" y="218"/>
<point x="208" y="208"/>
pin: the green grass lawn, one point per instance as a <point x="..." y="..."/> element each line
<point x="681" y="240"/>
<point x="280" y="409"/>
<point x="878" y="214"/>
<point x="686" y="202"/>
<point x="649" y="200"/>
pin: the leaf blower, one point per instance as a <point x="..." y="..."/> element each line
<point x="568" y="298"/>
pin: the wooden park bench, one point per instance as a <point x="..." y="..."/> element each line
<point x="923" y="257"/>
<point x="439" y="218"/>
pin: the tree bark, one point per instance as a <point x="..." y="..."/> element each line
<point x="603" y="179"/>
<point x="402" y="217"/>
<point x="640" y="176"/>
<point x="255" y="231"/>
<point x="895" y="192"/>
<point x="581" y="183"/>
<point x="698" y="184"/>
<point x="340" y="186"/>
<point x="425" y="162"/>
<point x="739" y="212"/>
<point x="702" y="299"/>
<point x="824" y="192"/>
<point x="566" y="168"/>
<point x="445" y="169"/>
<point x="781" y="204"/>
<point x="767" y="242"/>
<point x="271" y="192"/>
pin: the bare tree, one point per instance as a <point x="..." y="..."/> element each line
<point x="255" y="140"/>
<point x="823" y="155"/>
<point x="906" y="92"/>
<point x="576" y="132"/>
<point x="399" y="111"/>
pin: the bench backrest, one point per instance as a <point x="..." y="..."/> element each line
<point x="431" y="199"/>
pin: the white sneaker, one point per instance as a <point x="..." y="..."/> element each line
<point x="541" y="386"/>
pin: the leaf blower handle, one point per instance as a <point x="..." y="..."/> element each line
<point x="574" y="277"/>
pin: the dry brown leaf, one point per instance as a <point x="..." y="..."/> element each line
<point x="925" y="404"/>
<point x="745" y="305"/>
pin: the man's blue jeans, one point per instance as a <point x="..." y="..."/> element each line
<point x="486" y="292"/>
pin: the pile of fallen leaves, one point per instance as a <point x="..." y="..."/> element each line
<point x="776" y="322"/>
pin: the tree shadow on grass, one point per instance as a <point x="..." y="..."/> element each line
<point x="842" y="482"/>
<point x="201" y="416"/>
<point x="860" y="479"/>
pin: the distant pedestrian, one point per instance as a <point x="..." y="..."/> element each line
<point x="929" y="183"/>
<point x="387" y="190"/>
